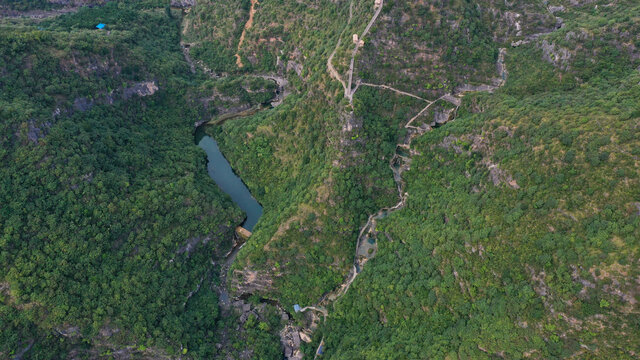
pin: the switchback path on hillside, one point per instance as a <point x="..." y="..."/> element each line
<point x="398" y="165"/>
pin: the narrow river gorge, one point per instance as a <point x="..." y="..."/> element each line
<point x="221" y="172"/>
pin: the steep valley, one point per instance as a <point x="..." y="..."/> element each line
<point x="439" y="179"/>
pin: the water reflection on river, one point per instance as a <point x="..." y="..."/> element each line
<point x="221" y="172"/>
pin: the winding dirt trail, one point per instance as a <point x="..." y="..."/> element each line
<point x="247" y="26"/>
<point x="332" y="70"/>
<point x="392" y="89"/>
<point x="409" y="126"/>
<point x="347" y="86"/>
<point x="398" y="165"/>
<point x="350" y="92"/>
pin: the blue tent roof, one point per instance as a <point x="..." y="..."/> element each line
<point x="320" y="350"/>
<point x="296" y="307"/>
<point x="100" y="26"/>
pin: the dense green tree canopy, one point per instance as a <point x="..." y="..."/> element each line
<point x="518" y="239"/>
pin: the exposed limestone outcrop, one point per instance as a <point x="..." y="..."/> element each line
<point x="192" y="243"/>
<point x="580" y="2"/>
<point x="470" y="88"/>
<point x="290" y="337"/>
<point x="296" y="67"/>
<point x="144" y="88"/>
<point x="64" y="7"/>
<point x="250" y="282"/>
<point x="452" y="99"/>
<point x="513" y="20"/>
<point x="35" y="14"/>
<point x="498" y="176"/>
<point x="141" y="89"/>
<point x="78" y="2"/>
<point x="69" y="331"/>
<point x="182" y="4"/>
<point x="556" y="55"/>
<point x="350" y="122"/>
<point x="451" y="142"/>
<point x="305" y="337"/>
<point x="36" y="131"/>
<point x="441" y="116"/>
<point x="555" y="9"/>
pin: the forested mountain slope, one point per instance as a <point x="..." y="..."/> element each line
<point x="520" y="235"/>
<point x="459" y="180"/>
<point x="102" y="188"/>
<point x="548" y="163"/>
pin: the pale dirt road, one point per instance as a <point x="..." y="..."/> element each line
<point x="247" y="26"/>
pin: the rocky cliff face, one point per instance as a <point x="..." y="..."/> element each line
<point x="182" y="4"/>
<point x="144" y="88"/>
<point x="248" y="282"/>
<point x="78" y="2"/>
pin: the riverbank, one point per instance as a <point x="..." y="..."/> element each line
<point x="221" y="172"/>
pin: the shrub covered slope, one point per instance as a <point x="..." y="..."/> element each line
<point x="519" y="237"/>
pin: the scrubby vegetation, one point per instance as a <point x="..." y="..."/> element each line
<point x="520" y="236"/>
<point x="103" y="187"/>
<point x="520" y="233"/>
<point x="212" y="29"/>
